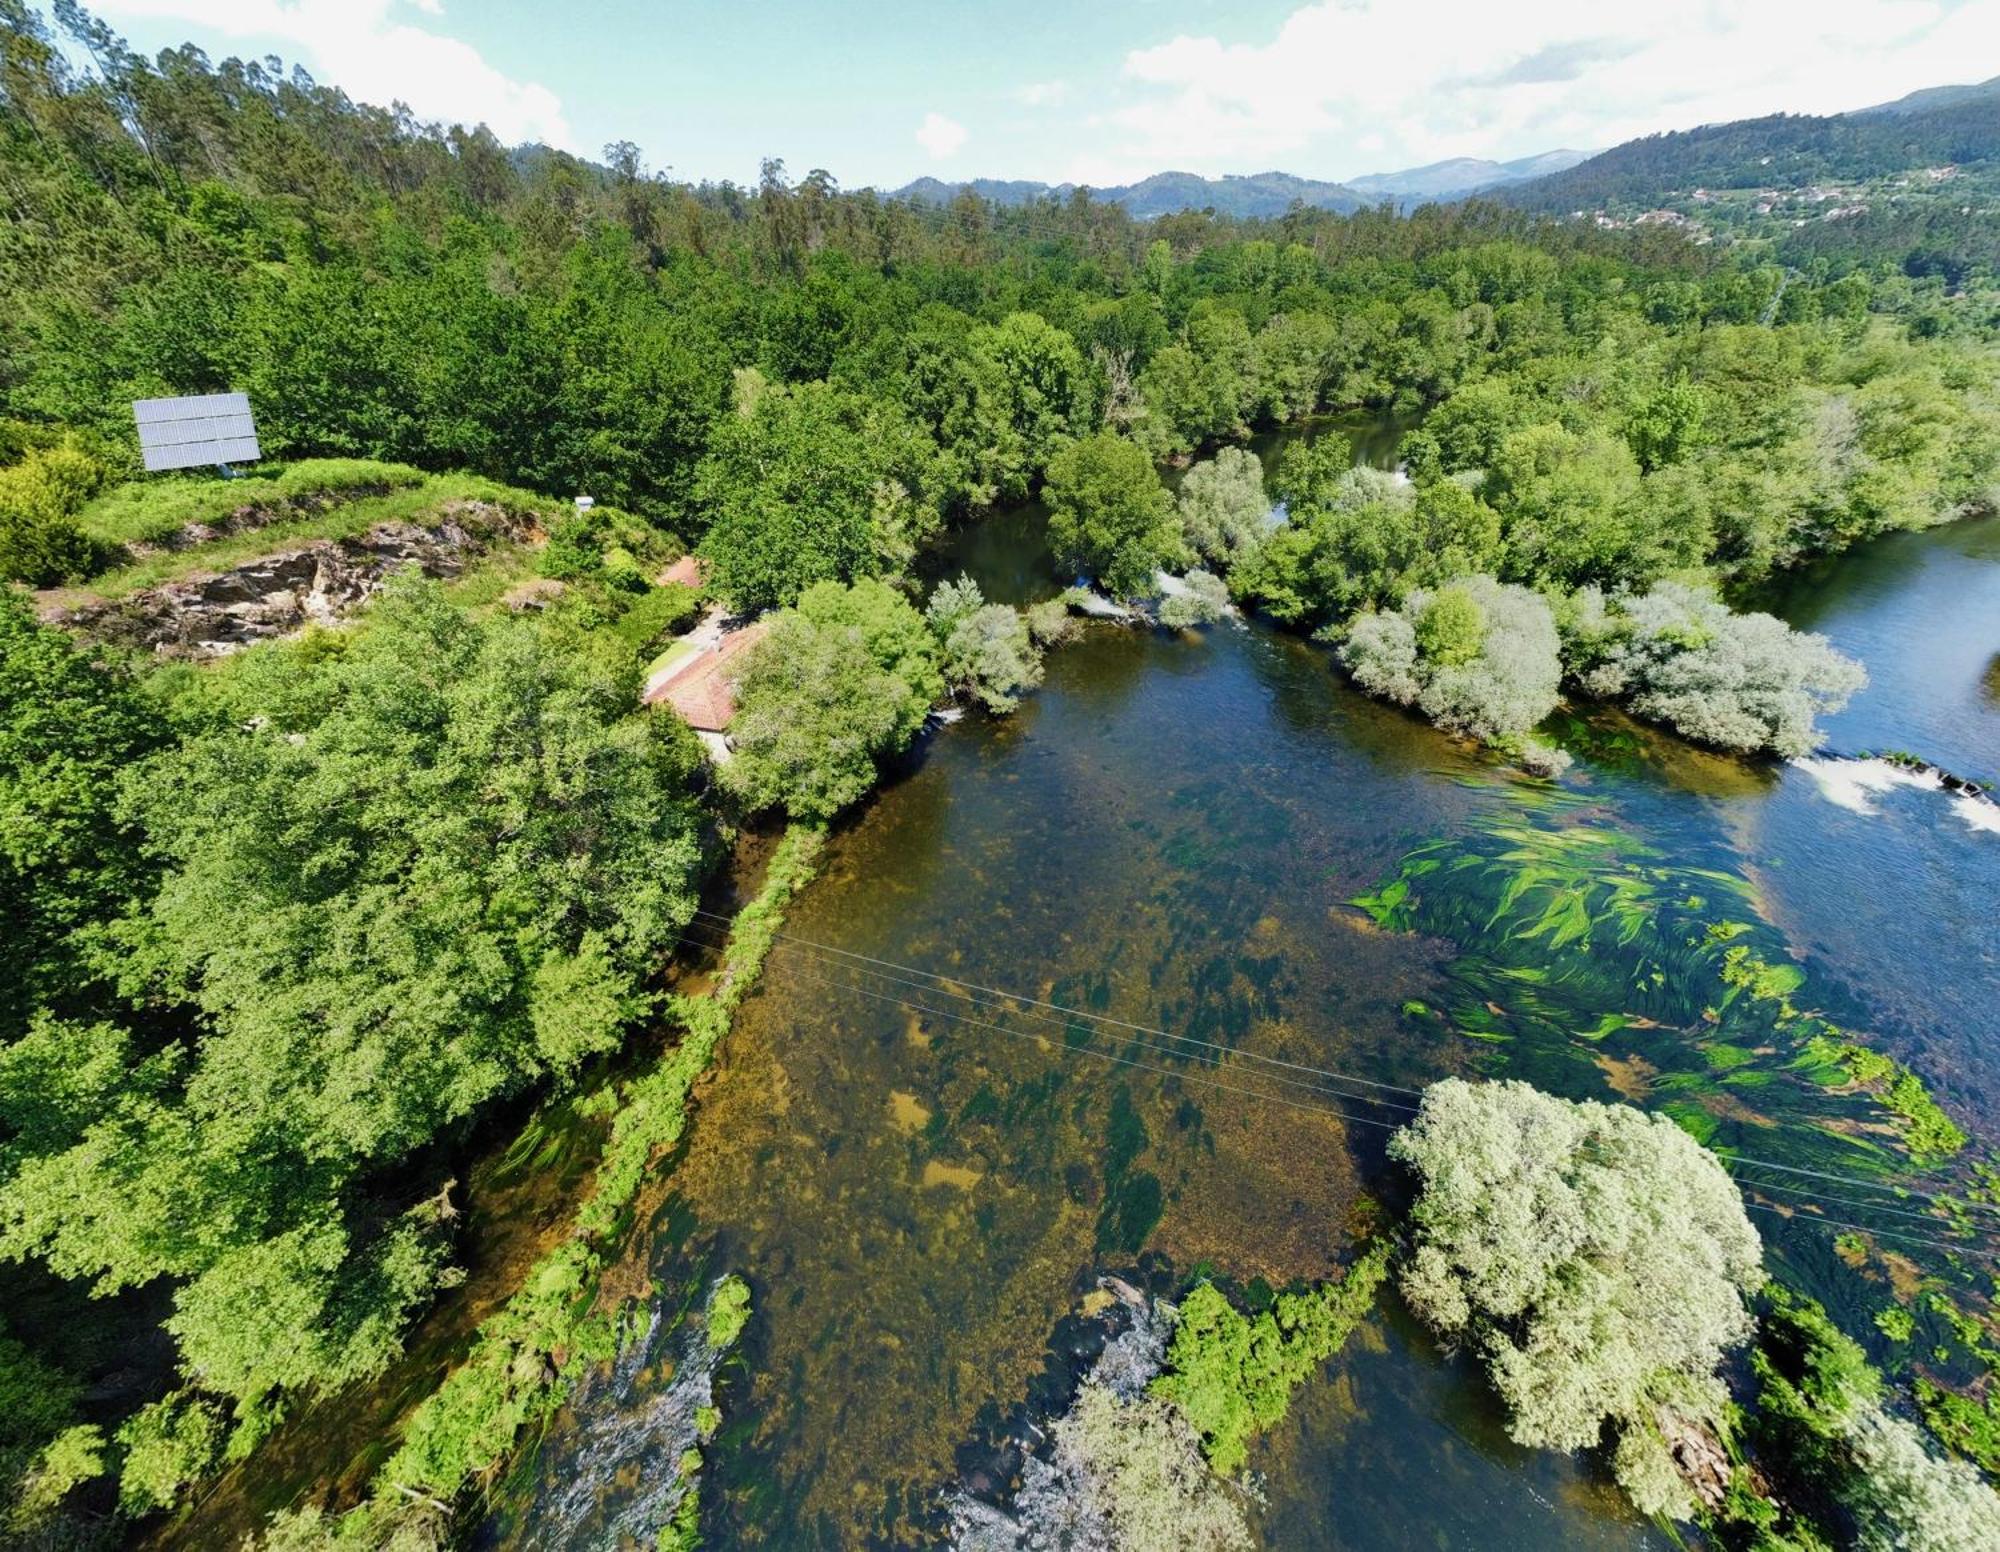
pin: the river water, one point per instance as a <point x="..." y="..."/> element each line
<point x="920" y="1186"/>
<point x="1170" y="833"/>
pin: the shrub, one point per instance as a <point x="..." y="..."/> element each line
<point x="990" y="656"/>
<point x="167" y="1446"/>
<point x="1139" y="1466"/>
<point x="1203" y="601"/>
<point x="840" y="682"/>
<point x="1222" y="505"/>
<point x="1234" y="1374"/>
<point x="1595" y="1257"/>
<point x="1477" y="657"/>
<point x="1737" y="681"/>
<point x="40" y="541"/>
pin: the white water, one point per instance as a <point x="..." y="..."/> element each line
<point x="1855" y="784"/>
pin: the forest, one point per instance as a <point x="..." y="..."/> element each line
<point x="284" y="932"/>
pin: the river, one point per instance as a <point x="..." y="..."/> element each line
<point x="1171" y="832"/>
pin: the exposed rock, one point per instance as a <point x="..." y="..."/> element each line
<point x="212" y="614"/>
<point x="535" y="593"/>
<point x="256" y="514"/>
<point x="1698" y="1454"/>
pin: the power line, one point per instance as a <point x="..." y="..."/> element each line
<point x="1102" y="1018"/>
<point x="953" y="985"/>
<point x="829" y="955"/>
<point x="1976" y="1252"/>
<point x="1001" y="1005"/>
<point x="1171" y="1072"/>
<point x="1107" y="1056"/>
<point x="1775" y="1189"/>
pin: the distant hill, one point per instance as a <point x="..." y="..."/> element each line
<point x="1460" y="176"/>
<point x="1959" y="125"/>
<point x="1247" y="195"/>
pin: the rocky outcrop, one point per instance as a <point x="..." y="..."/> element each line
<point x="211" y="614"/>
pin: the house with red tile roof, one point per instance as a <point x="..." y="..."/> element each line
<point x="698" y="687"/>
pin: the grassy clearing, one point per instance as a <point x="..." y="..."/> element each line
<point x="153" y="511"/>
<point x="419" y="504"/>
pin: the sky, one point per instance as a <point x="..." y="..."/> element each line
<point x="882" y="91"/>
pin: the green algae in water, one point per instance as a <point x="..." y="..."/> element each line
<point x="1588" y="959"/>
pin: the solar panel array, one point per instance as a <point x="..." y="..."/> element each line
<point x="192" y="432"/>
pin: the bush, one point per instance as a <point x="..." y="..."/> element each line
<point x="1478" y="657"/>
<point x="989" y="653"/>
<point x="842" y="681"/>
<point x="1223" y="507"/>
<point x="40" y="541"/>
<point x="1204" y="601"/>
<point x="1138" y="1466"/>
<point x="1234" y="1374"/>
<point x="1596" y="1258"/>
<point x="167" y="1446"/>
<point x="1738" y="681"/>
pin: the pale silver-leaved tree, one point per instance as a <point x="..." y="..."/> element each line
<point x="1595" y="1257"/>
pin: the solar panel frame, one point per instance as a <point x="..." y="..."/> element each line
<point x="196" y="431"/>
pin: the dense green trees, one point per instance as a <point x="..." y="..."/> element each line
<point x="841" y="682"/>
<point x="987" y="650"/>
<point x="368" y="888"/>
<point x="809" y="484"/>
<point x="1109" y="516"/>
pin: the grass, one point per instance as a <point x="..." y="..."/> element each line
<point x="152" y="511"/>
<point x="668" y="658"/>
<point x="418" y="503"/>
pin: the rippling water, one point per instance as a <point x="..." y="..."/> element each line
<point x="1169" y="833"/>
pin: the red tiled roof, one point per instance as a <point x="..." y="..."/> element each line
<point x="687" y="572"/>
<point x="701" y="692"/>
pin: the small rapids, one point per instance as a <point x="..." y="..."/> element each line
<point x="1855" y="783"/>
<point x="613" y="1480"/>
<point x="1051" y="1506"/>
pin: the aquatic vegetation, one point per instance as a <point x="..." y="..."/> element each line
<point x="1930" y="1132"/>
<point x="728" y="1311"/>
<point x="1234" y="1374"/>
<point x="1821" y="1430"/>
<point x="1540" y="1220"/>
<point x="1578" y="942"/>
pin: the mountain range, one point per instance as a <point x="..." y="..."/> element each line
<point x="1955" y="125"/>
<point x="1264" y="193"/>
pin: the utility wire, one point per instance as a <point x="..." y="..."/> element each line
<point x="1102" y="1018"/>
<point x="963" y="988"/>
<point x="1002" y="1005"/>
<point x="932" y="981"/>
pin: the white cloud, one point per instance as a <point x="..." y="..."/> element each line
<point x="1042" y="94"/>
<point x="940" y="136"/>
<point x="354" y="45"/>
<point x="1404" y="81"/>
